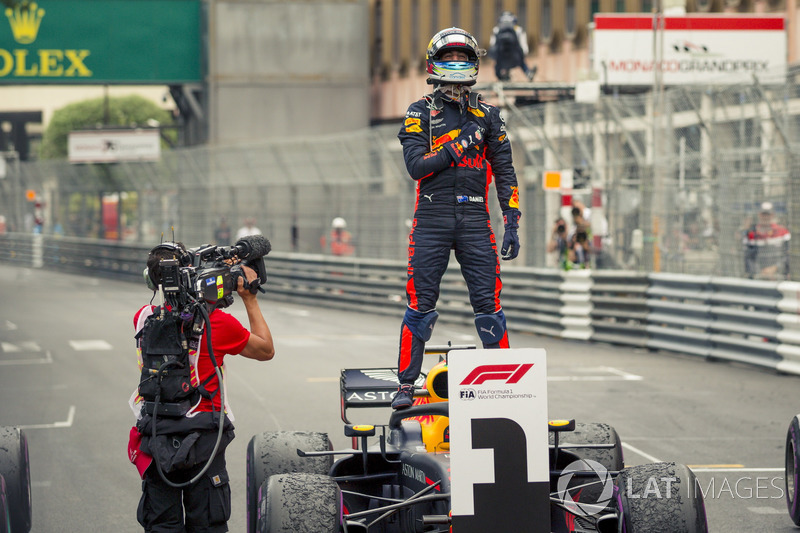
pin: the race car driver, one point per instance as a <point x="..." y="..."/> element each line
<point x="453" y="142"/>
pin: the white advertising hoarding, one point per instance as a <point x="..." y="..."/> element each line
<point x="111" y="146"/>
<point x="720" y="49"/>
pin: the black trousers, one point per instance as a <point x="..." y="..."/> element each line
<point x="203" y="507"/>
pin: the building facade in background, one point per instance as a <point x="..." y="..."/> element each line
<point x="559" y="37"/>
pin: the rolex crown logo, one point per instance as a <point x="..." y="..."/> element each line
<point x="25" y="20"/>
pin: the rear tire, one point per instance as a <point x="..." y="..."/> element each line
<point x="15" y="470"/>
<point x="793" y="469"/>
<point x="275" y="452"/>
<point x="595" y="433"/>
<point x="660" y="498"/>
<point x="593" y="490"/>
<point x="291" y="503"/>
<point x="5" y="516"/>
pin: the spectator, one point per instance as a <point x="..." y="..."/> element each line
<point x="249" y="228"/>
<point x="508" y="47"/>
<point x="559" y="243"/>
<point x="767" y="247"/>
<point x="222" y="235"/>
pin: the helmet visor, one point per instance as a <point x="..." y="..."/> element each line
<point x="454" y="70"/>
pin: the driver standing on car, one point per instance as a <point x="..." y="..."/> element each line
<point x="205" y="506"/>
<point x="453" y="144"/>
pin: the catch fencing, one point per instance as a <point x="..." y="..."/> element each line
<point x="754" y="322"/>
<point x="676" y="179"/>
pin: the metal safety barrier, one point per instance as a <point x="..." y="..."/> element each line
<point x="754" y="322"/>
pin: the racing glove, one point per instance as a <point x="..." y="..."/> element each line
<point x="471" y="136"/>
<point x="510" y="248"/>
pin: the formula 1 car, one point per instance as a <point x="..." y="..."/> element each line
<point x="402" y="483"/>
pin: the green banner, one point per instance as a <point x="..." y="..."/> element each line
<point x="101" y="41"/>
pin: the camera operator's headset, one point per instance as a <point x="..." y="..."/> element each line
<point x="185" y="259"/>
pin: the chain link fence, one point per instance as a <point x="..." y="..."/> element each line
<point x="677" y="176"/>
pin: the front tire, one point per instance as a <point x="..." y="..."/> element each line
<point x="793" y="469"/>
<point x="15" y="470"/>
<point x="275" y="452"/>
<point x="300" y="502"/>
<point x="660" y="498"/>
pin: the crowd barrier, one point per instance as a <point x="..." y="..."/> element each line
<point x="754" y="322"/>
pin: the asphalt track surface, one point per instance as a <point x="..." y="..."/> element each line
<point x="68" y="366"/>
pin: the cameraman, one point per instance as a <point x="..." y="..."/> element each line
<point x="205" y="505"/>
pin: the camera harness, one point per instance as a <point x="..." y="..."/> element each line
<point x="167" y="371"/>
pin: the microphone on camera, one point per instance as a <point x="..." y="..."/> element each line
<point x="252" y="247"/>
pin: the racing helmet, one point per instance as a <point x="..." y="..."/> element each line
<point x="338" y="223"/>
<point x="456" y="72"/>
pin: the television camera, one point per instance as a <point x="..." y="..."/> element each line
<point x="210" y="273"/>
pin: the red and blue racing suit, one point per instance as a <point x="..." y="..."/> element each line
<point x="452" y="212"/>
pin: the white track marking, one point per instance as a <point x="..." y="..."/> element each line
<point x="65" y="424"/>
<point x="766" y="510"/>
<point x="637" y="451"/>
<point x="744" y="469"/>
<point x="606" y="373"/>
<point x="48" y="358"/>
<point x="27" y="346"/>
<point x="90" y="345"/>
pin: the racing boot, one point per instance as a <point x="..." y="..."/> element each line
<point x="404" y="396"/>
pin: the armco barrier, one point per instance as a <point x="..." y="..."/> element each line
<point x="755" y="322"/>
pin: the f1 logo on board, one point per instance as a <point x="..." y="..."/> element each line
<point x="508" y="374"/>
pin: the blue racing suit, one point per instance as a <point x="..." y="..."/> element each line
<point x="452" y="212"/>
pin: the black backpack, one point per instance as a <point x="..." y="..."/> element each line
<point x="166" y="380"/>
<point x="506" y="40"/>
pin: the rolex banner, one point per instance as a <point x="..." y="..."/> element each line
<point x="500" y="473"/>
<point x="101" y="41"/>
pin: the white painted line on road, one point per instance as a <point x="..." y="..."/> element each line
<point x="27" y="346"/>
<point x="294" y="312"/>
<point x="748" y="469"/>
<point x="48" y="358"/>
<point x="89" y="345"/>
<point x="616" y="375"/>
<point x="766" y="510"/>
<point x="641" y="453"/>
<point x="65" y="424"/>
<point x="10" y="326"/>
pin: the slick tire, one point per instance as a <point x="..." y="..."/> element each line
<point x="299" y="502"/>
<point x="593" y="490"/>
<point x="275" y="452"/>
<point x="15" y="470"/>
<point x="793" y="470"/>
<point x="595" y="433"/>
<point x="5" y="513"/>
<point x="660" y="498"/>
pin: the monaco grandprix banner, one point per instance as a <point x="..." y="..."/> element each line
<point x="706" y="48"/>
<point x="500" y="472"/>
